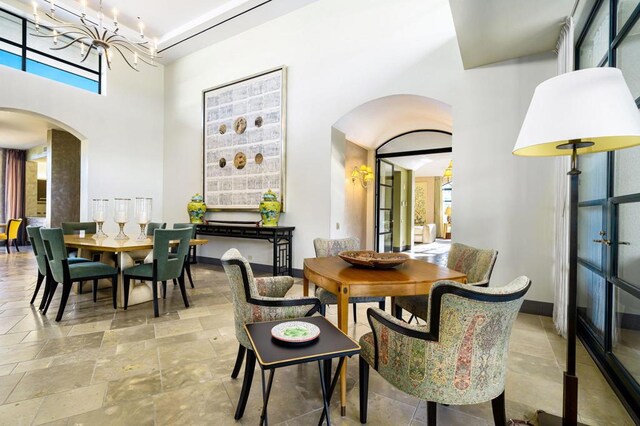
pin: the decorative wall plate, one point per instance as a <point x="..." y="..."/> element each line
<point x="259" y="158"/>
<point x="258" y="122"/>
<point x="222" y="129"/>
<point x="240" y="125"/>
<point x="240" y="160"/>
<point x="295" y="332"/>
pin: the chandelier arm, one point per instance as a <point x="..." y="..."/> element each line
<point x="86" y="55"/>
<point x="69" y="44"/>
<point x="117" y="37"/>
<point x="142" y="55"/>
<point x="123" y="57"/>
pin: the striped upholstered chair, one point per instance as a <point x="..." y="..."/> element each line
<point x="324" y="248"/>
<point x="476" y="263"/>
<point x="258" y="300"/>
<point x="458" y="358"/>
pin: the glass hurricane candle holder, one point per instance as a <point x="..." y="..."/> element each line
<point x="100" y="208"/>
<point x="142" y="215"/>
<point x="121" y="216"/>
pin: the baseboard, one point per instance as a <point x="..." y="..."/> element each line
<point x="256" y="267"/>
<point x="534" y="307"/>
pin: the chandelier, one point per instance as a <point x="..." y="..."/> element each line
<point x="87" y="34"/>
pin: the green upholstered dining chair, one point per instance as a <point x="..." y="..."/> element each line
<point x="258" y="300"/>
<point x="152" y="226"/>
<point x="163" y="267"/>
<point x="187" y="263"/>
<point x="458" y="358"/>
<point x="66" y="273"/>
<point x="71" y="228"/>
<point x="11" y="234"/>
<point x="326" y="247"/>
<point x="476" y="263"/>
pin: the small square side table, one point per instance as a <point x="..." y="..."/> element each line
<point x="272" y="354"/>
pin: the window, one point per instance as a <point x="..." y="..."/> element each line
<point x="22" y="49"/>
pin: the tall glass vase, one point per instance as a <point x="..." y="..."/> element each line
<point x="121" y="216"/>
<point x="142" y="215"/>
<point x="100" y="209"/>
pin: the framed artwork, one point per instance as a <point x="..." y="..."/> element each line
<point x="244" y="141"/>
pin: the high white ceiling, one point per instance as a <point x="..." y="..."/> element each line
<point x="181" y="27"/>
<point x="490" y="31"/>
<point x="23" y="131"/>
<point x="424" y="165"/>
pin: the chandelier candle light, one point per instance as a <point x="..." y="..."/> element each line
<point x="143" y="216"/>
<point x="88" y="34"/>
<point x="121" y="216"/>
<point x="100" y="207"/>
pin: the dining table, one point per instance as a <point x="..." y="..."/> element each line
<point x="413" y="277"/>
<point x="139" y="292"/>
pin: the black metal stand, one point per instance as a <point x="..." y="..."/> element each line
<point x="570" y="382"/>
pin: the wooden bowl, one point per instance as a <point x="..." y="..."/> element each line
<point x="372" y="259"/>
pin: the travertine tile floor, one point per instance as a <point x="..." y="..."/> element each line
<point x="100" y="366"/>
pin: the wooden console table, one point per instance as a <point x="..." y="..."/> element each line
<point x="281" y="237"/>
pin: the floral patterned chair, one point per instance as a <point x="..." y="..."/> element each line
<point x="458" y="358"/>
<point x="258" y="300"/>
<point x="325" y="248"/>
<point x="476" y="263"/>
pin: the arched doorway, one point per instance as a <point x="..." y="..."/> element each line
<point x="378" y="128"/>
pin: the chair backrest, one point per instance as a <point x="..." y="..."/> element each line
<point x="53" y="241"/>
<point x="170" y="268"/>
<point x="476" y="263"/>
<point x="33" y="232"/>
<point x="191" y="226"/>
<point x="152" y="226"/>
<point x="71" y="228"/>
<point x="464" y="361"/>
<point x="326" y="247"/>
<point x="243" y="286"/>
<point x="12" y="228"/>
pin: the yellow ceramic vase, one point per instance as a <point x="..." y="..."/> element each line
<point x="270" y="209"/>
<point x="196" y="208"/>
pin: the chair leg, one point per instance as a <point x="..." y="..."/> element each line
<point x="156" y="311"/>
<point x="125" y="287"/>
<point x="15" y="243"/>
<point x="398" y="312"/>
<point x="249" y="368"/>
<point x="432" y="409"/>
<point x="81" y="287"/>
<point x="499" y="412"/>
<point x="45" y="295"/>
<point x="364" y="389"/>
<point x="114" y="290"/>
<point x="66" y="289"/>
<point x="239" y="359"/>
<point x="187" y="267"/>
<point x="95" y="291"/>
<point x="8" y="245"/>
<point x="382" y="305"/>
<point x="183" y="290"/>
<point x="323" y="310"/>
<point x="175" y="282"/>
<point x="164" y="289"/>
<point x="52" y="291"/>
<point x="38" y="284"/>
<point x="355" y="313"/>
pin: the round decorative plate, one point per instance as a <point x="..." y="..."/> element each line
<point x="295" y="332"/>
<point x="373" y="259"/>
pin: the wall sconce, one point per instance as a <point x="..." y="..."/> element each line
<point x="364" y="174"/>
<point x="448" y="173"/>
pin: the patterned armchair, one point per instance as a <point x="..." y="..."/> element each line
<point x="459" y="357"/>
<point x="325" y="248"/>
<point x="258" y="300"/>
<point x="476" y="263"/>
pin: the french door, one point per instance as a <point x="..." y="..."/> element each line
<point x="609" y="266"/>
<point x="384" y="207"/>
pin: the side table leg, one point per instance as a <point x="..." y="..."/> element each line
<point x="332" y="385"/>
<point x="325" y="397"/>
<point x="343" y="325"/>
<point x="265" y="397"/>
<point x="305" y="285"/>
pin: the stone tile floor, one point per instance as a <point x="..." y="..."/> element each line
<point x="102" y="366"/>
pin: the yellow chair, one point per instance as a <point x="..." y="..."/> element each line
<point x="11" y="234"/>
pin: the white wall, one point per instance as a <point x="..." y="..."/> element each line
<point x="341" y="54"/>
<point x="121" y="133"/>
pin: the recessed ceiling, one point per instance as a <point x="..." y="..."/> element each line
<point x="23" y="131"/>
<point x="179" y="27"/>
<point x="423" y="165"/>
<point x="490" y="31"/>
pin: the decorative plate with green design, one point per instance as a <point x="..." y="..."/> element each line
<point x="295" y="332"/>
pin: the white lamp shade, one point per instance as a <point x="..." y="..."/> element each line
<point x="590" y="105"/>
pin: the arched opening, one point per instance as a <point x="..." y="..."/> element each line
<point x="49" y="189"/>
<point x="397" y="136"/>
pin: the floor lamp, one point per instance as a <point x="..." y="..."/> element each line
<point x="577" y="113"/>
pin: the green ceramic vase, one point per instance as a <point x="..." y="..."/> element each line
<point x="270" y="209"/>
<point x="196" y="208"/>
